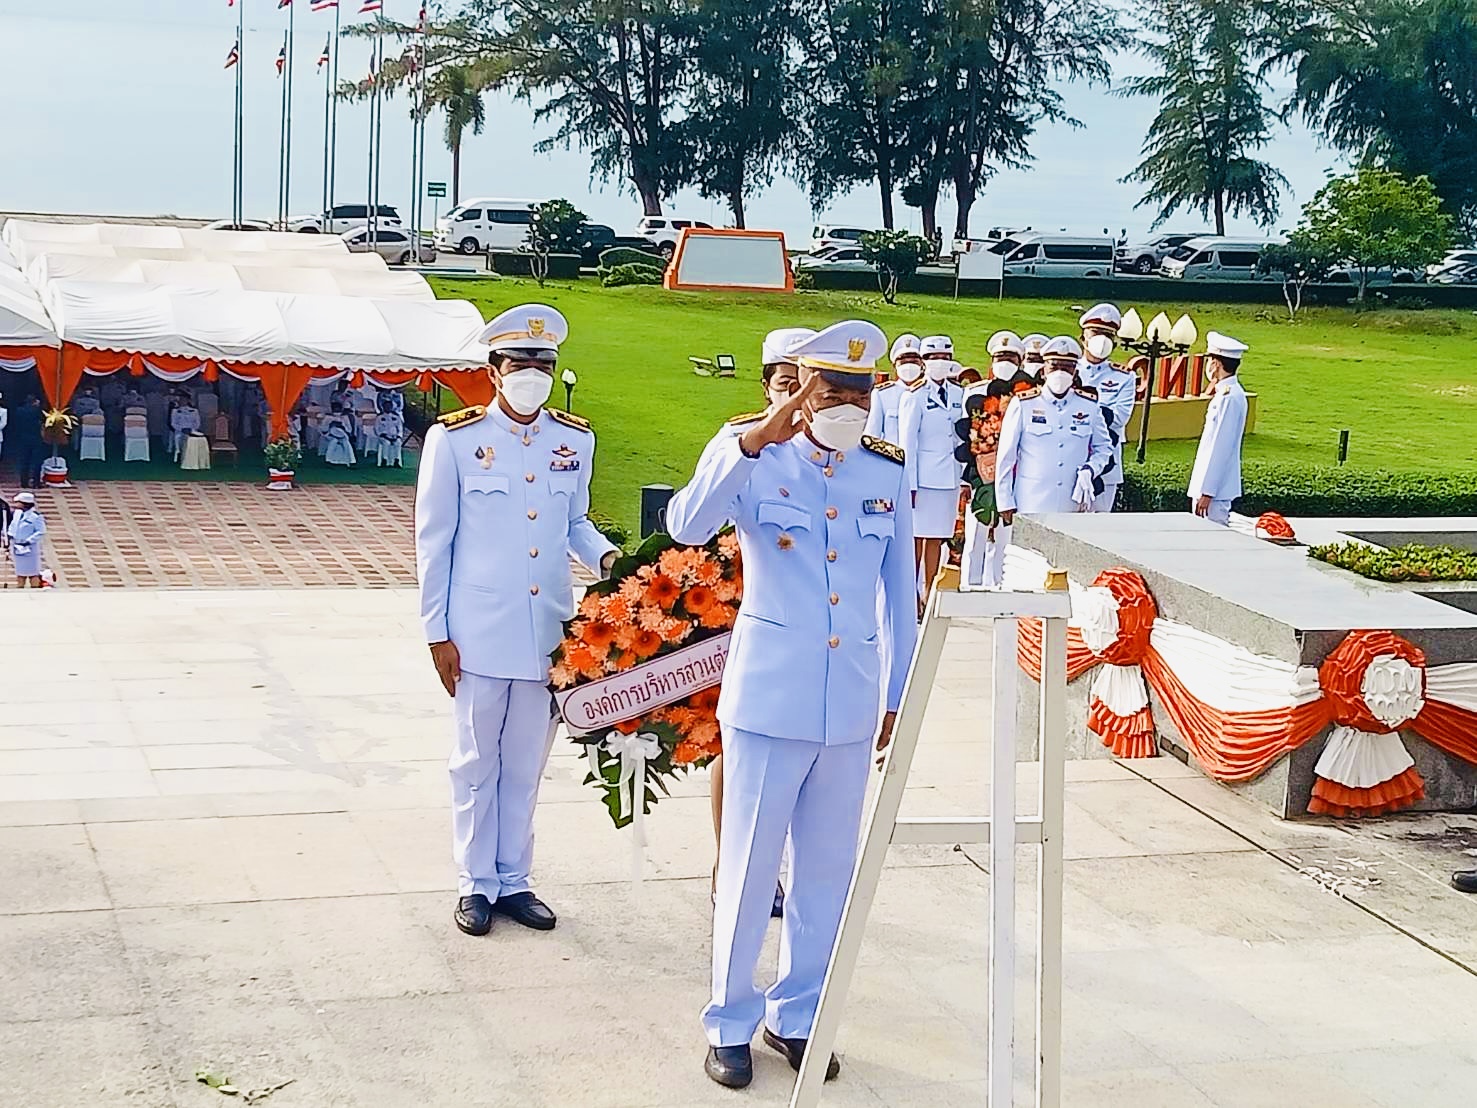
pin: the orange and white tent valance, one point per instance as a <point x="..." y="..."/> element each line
<point x="1238" y="712"/>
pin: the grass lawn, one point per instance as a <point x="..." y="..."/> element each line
<point x="1403" y="382"/>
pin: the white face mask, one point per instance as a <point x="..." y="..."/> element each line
<point x="908" y="372"/>
<point x="1099" y="347"/>
<point x="938" y="369"/>
<point x="1058" y="381"/>
<point x="839" y="428"/>
<point x="1003" y="370"/>
<point x="525" y="390"/>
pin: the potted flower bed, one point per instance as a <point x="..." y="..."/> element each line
<point x="282" y="456"/>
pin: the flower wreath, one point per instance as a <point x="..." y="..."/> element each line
<point x="979" y="439"/>
<point x="636" y="675"/>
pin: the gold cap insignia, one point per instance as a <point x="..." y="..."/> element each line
<point x="536" y="328"/>
<point x="855" y="349"/>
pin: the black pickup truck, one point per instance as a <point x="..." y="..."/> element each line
<point x="598" y="238"/>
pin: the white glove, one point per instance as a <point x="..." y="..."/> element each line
<point x="1082" y="493"/>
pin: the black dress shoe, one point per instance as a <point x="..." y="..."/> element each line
<point x="474" y="914"/>
<point x="1465" y="881"/>
<point x="527" y="909"/>
<point x="730" y="1066"/>
<point x="777" y="910"/>
<point x="794" y="1052"/>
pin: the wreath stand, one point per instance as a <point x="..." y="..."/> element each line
<point x="883" y="827"/>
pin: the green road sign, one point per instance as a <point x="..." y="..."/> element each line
<point x="435" y="188"/>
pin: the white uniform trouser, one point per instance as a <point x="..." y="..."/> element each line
<point x="984" y="558"/>
<point x="1103" y="502"/>
<point x="771" y="785"/>
<point x="504" y="730"/>
<point x="1219" y="512"/>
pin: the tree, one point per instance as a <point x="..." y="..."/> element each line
<point x="896" y="254"/>
<point x="450" y="91"/>
<point x="1296" y="265"/>
<point x="1376" y="219"/>
<point x="1393" y="83"/>
<point x="1212" y="118"/>
<point x="557" y="228"/>
<point x="741" y="118"/>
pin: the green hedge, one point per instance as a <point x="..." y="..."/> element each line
<point x="630" y="275"/>
<point x="1411" y="562"/>
<point x="628" y="255"/>
<point x="519" y="263"/>
<point x="1309" y="491"/>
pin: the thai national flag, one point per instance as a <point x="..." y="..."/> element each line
<point x="281" y="60"/>
<point x="371" y="6"/>
<point x="324" y="5"/>
<point x="234" y="56"/>
<point x="421" y="22"/>
<point x="284" y="3"/>
<point x="327" y="55"/>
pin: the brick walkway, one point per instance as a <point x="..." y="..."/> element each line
<point x="147" y="534"/>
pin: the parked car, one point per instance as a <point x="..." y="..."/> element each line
<point x="1460" y="273"/>
<point x="1214" y="259"/>
<point x="599" y="238"/>
<point x="1453" y="259"/>
<point x="665" y="232"/>
<point x="477" y="226"/>
<point x="825" y="236"/>
<point x="391" y="243"/>
<point x="1144" y="257"/>
<point x="835" y="259"/>
<point x="1348" y="274"/>
<point x="1038" y="255"/>
<point x="238" y="225"/>
<point x="341" y="218"/>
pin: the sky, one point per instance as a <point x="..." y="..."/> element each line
<point x="123" y="107"/>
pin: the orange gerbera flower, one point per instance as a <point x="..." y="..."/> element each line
<point x="719" y="615"/>
<point x="598" y="635"/>
<point x="651" y="618"/>
<point x="628" y="726"/>
<point x="582" y="658"/>
<point x="698" y="600"/>
<point x="686" y="753"/>
<point x="616" y="609"/>
<point x="675" y="630"/>
<point x="631" y="590"/>
<point x="562" y="675"/>
<point x="626" y="660"/>
<point x="647" y="644"/>
<point x="727" y="590"/>
<point x="672" y="562"/>
<point x="590" y="606"/>
<point x="707" y="572"/>
<point x="705" y="701"/>
<point x="663" y="591"/>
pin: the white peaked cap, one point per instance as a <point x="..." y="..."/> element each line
<point x="1034" y="342"/>
<point x="904" y="344"/>
<point x="936" y="344"/>
<point x="1102" y="315"/>
<point x="1005" y="342"/>
<point x="852" y="346"/>
<point x="1223" y="346"/>
<point x="777" y="344"/>
<point x="526" y="327"/>
<point x="1063" y="346"/>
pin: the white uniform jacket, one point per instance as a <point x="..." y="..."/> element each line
<point x="1217" y="471"/>
<point x="819" y="530"/>
<point x="1044" y="441"/>
<point x="884" y="415"/>
<point x="1116" y="387"/>
<point x="499" y="507"/>
<point x="927" y="416"/>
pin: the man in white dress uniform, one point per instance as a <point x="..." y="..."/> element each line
<point x="824" y="520"/>
<point x="1053" y="442"/>
<point x="1215" y="480"/>
<point x="501" y="503"/>
<point x="1116" y="388"/>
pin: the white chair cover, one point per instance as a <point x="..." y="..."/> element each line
<point x="93" y="449"/>
<point x="135" y="447"/>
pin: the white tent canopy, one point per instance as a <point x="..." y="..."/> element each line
<point x="27" y="252"/>
<point x="230" y="325"/>
<point x="377" y="283"/>
<point x="23" y="231"/>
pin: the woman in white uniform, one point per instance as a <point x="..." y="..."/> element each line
<point x="885" y="415"/>
<point x="928" y="415"/>
<point x="25" y="532"/>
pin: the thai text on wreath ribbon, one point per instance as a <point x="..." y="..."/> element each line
<point x="644" y="688"/>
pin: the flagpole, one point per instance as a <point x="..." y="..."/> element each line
<point x="333" y="119"/>
<point x="287" y="128"/>
<point x="379" y="121"/>
<point x="282" y="148"/>
<point x="238" y="185"/>
<point x="373" y="95"/>
<point x="419" y="150"/>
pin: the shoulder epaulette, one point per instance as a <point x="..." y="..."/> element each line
<point x="885" y="384"/>
<point x="746" y="417"/>
<point x="918" y="384"/>
<point x="891" y="451"/>
<point x="1085" y="391"/>
<point x="1029" y="394"/>
<point x="463" y="418"/>
<point x="569" y="419"/>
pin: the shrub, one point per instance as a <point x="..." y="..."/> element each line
<point x="283" y="453"/>
<point x="1310" y="491"/>
<point x="630" y="275"/>
<point x="627" y="255"/>
<point x="1411" y="562"/>
<point x="804" y="279"/>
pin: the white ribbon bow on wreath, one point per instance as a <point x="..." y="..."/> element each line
<point x="633" y="751"/>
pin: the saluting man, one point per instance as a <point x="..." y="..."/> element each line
<point x="1053" y="442"/>
<point x="1215" y="480"/>
<point x="887" y="398"/>
<point x="500" y="506"/>
<point x="823" y="520"/>
<point x="1115" y="387"/>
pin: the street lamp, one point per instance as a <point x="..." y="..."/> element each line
<point x="1157" y="340"/>
<point x="570" y="380"/>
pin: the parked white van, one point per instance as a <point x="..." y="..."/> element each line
<point x="1213" y="259"/>
<point x="477" y="226"/>
<point x="1041" y="255"/>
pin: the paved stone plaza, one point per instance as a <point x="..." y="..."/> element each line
<point x="223" y="846"/>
